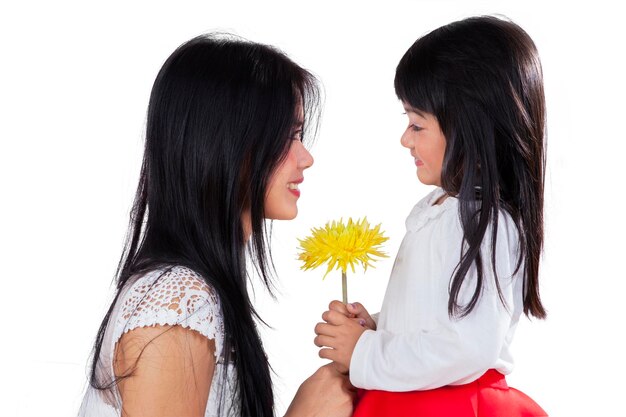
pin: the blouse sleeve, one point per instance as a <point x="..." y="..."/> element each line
<point x="178" y="296"/>
<point x="375" y="317"/>
<point x="450" y="350"/>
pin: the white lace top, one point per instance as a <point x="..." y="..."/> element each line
<point x="176" y="296"/>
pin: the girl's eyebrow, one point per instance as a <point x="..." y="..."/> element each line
<point x="412" y="110"/>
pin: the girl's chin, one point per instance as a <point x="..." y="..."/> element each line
<point x="428" y="180"/>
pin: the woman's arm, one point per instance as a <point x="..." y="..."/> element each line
<point x="326" y="393"/>
<point x="172" y="368"/>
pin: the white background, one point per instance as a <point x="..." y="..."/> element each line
<point x="74" y="86"/>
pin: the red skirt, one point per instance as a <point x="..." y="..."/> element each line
<point x="488" y="396"/>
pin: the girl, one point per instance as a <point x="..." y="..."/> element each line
<point x="468" y="265"/>
<point x="223" y="153"/>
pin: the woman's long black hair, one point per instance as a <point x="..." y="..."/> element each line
<point x="220" y="120"/>
<point x="482" y="79"/>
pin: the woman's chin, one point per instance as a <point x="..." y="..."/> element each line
<point x="284" y="215"/>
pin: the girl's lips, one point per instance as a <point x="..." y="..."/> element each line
<point x="418" y="162"/>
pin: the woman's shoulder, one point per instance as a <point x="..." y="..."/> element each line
<point x="174" y="295"/>
<point x="168" y="286"/>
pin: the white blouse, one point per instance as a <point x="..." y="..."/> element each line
<point x="417" y="346"/>
<point x="176" y="296"/>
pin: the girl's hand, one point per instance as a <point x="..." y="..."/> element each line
<point x="354" y="310"/>
<point x="337" y="337"/>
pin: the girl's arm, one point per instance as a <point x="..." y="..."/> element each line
<point x="446" y="350"/>
<point x="172" y="371"/>
<point x="451" y="353"/>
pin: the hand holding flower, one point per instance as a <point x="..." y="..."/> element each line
<point x="354" y="311"/>
<point x="337" y="337"/>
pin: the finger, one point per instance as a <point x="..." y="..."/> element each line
<point x="325" y="329"/>
<point x="357" y="309"/>
<point x="321" y="341"/>
<point x="332" y="317"/>
<point x="361" y="322"/>
<point x="339" y="307"/>
<point x="327" y="353"/>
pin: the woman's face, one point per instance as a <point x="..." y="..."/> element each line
<point x="283" y="193"/>
<point x="424" y="138"/>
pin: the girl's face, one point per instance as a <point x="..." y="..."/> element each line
<point x="424" y="138"/>
<point x="283" y="193"/>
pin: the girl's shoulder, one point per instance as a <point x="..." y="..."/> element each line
<point x="426" y="211"/>
<point x="445" y="217"/>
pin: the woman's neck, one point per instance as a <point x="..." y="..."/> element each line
<point x="246" y="224"/>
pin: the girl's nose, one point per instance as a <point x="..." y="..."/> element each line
<point x="405" y="140"/>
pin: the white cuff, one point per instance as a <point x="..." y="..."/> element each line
<point x="360" y="359"/>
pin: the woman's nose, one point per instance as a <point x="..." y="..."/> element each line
<point x="305" y="159"/>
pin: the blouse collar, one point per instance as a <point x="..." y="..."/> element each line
<point x="426" y="210"/>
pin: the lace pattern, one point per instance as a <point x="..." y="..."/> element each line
<point x="171" y="296"/>
<point x="176" y="296"/>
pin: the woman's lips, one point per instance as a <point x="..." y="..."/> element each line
<point x="293" y="187"/>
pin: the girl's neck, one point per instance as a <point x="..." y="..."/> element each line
<point x="440" y="200"/>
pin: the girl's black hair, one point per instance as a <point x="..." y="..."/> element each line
<point x="220" y="120"/>
<point x="481" y="77"/>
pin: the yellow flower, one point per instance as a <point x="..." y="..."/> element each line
<point x="341" y="245"/>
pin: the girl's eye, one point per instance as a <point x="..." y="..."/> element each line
<point x="413" y="127"/>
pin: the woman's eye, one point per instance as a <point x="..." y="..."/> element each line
<point x="297" y="135"/>
<point x="415" y="128"/>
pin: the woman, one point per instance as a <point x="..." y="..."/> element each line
<point x="223" y="153"/>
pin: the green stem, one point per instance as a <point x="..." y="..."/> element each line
<point x="344" y="287"/>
